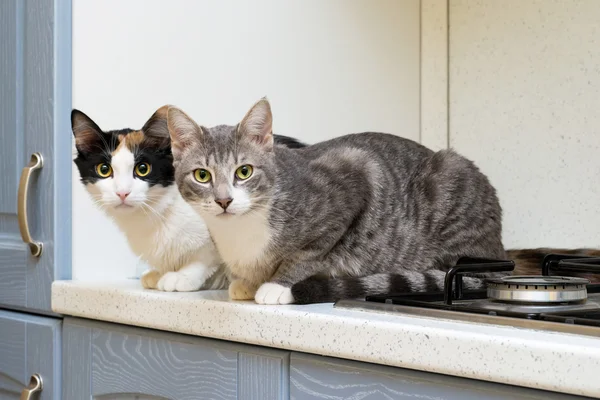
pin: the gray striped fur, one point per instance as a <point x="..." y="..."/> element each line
<point x="361" y="214"/>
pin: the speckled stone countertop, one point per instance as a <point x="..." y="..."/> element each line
<point x="559" y="362"/>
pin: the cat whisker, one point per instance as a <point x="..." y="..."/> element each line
<point x="144" y="210"/>
<point x="154" y="212"/>
<point x="98" y="202"/>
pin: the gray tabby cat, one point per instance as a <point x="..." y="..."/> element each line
<point x="361" y="214"/>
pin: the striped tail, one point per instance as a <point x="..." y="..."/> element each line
<point x="319" y="290"/>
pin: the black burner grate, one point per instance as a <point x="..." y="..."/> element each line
<point x="454" y="298"/>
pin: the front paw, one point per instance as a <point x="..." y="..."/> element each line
<point x="178" y="282"/>
<point x="150" y="278"/>
<point x="241" y="290"/>
<point x="274" y="293"/>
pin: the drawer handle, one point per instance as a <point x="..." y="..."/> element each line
<point x="36" y="162"/>
<point x="35" y="387"/>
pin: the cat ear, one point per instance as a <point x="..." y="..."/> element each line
<point x="88" y="136"/>
<point x="156" y="129"/>
<point x="258" y="124"/>
<point x="183" y="130"/>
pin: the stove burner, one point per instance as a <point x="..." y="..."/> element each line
<point x="537" y="289"/>
<point x="503" y="307"/>
<point x="565" y="301"/>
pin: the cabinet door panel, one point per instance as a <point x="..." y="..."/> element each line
<point x="315" y="377"/>
<point x="35" y="93"/>
<point x="113" y="362"/>
<point x="128" y="363"/>
<point x="12" y="356"/>
<point x="29" y="345"/>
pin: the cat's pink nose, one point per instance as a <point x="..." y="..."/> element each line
<point x="224" y="203"/>
<point x="123" y="195"/>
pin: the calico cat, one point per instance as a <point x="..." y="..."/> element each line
<point x="358" y="215"/>
<point x="130" y="176"/>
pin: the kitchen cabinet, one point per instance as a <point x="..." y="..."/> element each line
<point x="29" y="345"/>
<point x="108" y="361"/>
<point x="35" y="90"/>
<point x="314" y="377"/>
<point x="35" y="87"/>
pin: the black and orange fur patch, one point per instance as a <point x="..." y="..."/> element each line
<point x="95" y="146"/>
<point x="149" y="145"/>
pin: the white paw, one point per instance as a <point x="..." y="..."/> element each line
<point x="240" y="290"/>
<point x="273" y="293"/>
<point x="178" y="282"/>
<point x="149" y="279"/>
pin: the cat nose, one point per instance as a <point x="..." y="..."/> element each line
<point x="224" y="203"/>
<point x="123" y="195"/>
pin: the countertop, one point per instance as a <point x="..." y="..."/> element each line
<point x="561" y="362"/>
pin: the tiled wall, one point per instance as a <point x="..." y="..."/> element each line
<point x="524" y="103"/>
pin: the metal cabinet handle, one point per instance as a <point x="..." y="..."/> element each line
<point x="36" y="162"/>
<point x="35" y="387"/>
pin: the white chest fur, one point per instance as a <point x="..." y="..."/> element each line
<point x="243" y="243"/>
<point x="170" y="238"/>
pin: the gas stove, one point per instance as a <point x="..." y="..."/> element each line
<point x="549" y="301"/>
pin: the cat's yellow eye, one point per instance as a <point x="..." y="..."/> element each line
<point x="104" y="170"/>
<point x="142" y="169"/>
<point x="244" y="172"/>
<point x="202" y="175"/>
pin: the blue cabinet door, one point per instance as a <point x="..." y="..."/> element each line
<point x="29" y="345"/>
<point x="35" y="102"/>
<point x="316" y="377"/>
<point x="114" y="362"/>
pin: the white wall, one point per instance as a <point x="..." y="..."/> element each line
<point x="329" y="67"/>
<point x="524" y="101"/>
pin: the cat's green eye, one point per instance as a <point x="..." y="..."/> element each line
<point x="202" y="175"/>
<point x="104" y="170"/>
<point x="244" y="172"/>
<point x="142" y="169"/>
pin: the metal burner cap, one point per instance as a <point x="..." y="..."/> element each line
<point x="537" y="289"/>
